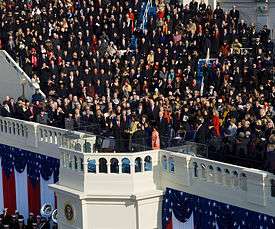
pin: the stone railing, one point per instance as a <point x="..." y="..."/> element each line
<point x="39" y="138"/>
<point x="119" y="172"/>
<point x="272" y="185"/>
<point x="84" y="169"/>
<point x="237" y="185"/>
<point x="108" y="163"/>
<point x="16" y="130"/>
<point x="124" y="173"/>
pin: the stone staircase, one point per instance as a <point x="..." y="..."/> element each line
<point x="13" y="80"/>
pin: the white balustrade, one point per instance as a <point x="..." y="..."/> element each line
<point x="40" y="138"/>
<point x="196" y="174"/>
<point x="82" y="167"/>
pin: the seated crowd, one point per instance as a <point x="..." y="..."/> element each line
<point x="102" y="73"/>
<point x="17" y="221"/>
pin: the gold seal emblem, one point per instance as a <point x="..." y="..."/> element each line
<point x="69" y="212"/>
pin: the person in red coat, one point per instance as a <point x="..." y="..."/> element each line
<point x="155" y="139"/>
<point x="131" y="16"/>
<point x="216" y="123"/>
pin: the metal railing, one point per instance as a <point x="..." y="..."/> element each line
<point x="125" y="141"/>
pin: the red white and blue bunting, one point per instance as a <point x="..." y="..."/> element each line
<point x="181" y="210"/>
<point x="24" y="179"/>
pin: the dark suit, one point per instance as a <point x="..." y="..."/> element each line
<point x="4" y="112"/>
<point x="163" y="132"/>
<point x="152" y="113"/>
<point x="202" y="133"/>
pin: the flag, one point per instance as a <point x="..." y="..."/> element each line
<point x="174" y="223"/>
<point x="25" y="177"/>
<point x="182" y="210"/>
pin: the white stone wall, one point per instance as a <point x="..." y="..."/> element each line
<point x="11" y="76"/>
<point x="109" y="211"/>
<point x="243" y="187"/>
<point x="105" y="200"/>
<point x="77" y="222"/>
<point x="33" y="137"/>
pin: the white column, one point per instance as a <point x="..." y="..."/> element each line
<point x="97" y="167"/>
<point x="85" y="166"/>
<point x="132" y="167"/>
<point x="119" y="167"/>
<point x="108" y="167"/>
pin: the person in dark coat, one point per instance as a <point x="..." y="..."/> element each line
<point x="234" y="15"/>
<point x="5" y="110"/>
<point x="202" y="132"/>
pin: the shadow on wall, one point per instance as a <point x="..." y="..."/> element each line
<point x="157" y="182"/>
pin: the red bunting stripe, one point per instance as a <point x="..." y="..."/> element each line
<point x="169" y="225"/>
<point x="9" y="192"/>
<point x="34" y="196"/>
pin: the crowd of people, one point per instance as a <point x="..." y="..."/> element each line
<point x="102" y="73"/>
<point x="17" y="221"/>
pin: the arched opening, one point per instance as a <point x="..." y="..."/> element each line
<point x="91" y="166"/>
<point x="203" y="170"/>
<point x="210" y="173"/>
<point x="75" y="163"/>
<point x="45" y="135"/>
<point x="227" y="177"/>
<point x="138" y="163"/>
<point x="13" y="128"/>
<point x="77" y="147"/>
<point x="114" y="165"/>
<point x="55" y="138"/>
<point x="81" y="164"/>
<point x="5" y="126"/>
<point x="23" y="130"/>
<point x="171" y="165"/>
<point x="235" y="179"/>
<point x="10" y="127"/>
<point x="50" y="137"/>
<point x="87" y="147"/>
<point x="102" y="165"/>
<point x="148" y="163"/>
<point x="125" y="165"/>
<point x="195" y="165"/>
<point x="70" y="161"/>
<point x="18" y="130"/>
<point x="219" y="175"/>
<point x="227" y="171"/>
<point x="164" y="162"/>
<point x="243" y="181"/>
<point x="41" y="133"/>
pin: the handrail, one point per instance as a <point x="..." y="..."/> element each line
<point x="35" y="134"/>
<point x="253" y="186"/>
<point x="16" y="66"/>
<point x="14" y="127"/>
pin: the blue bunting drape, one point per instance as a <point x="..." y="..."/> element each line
<point x="209" y="213"/>
<point x="36" y="163"/>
